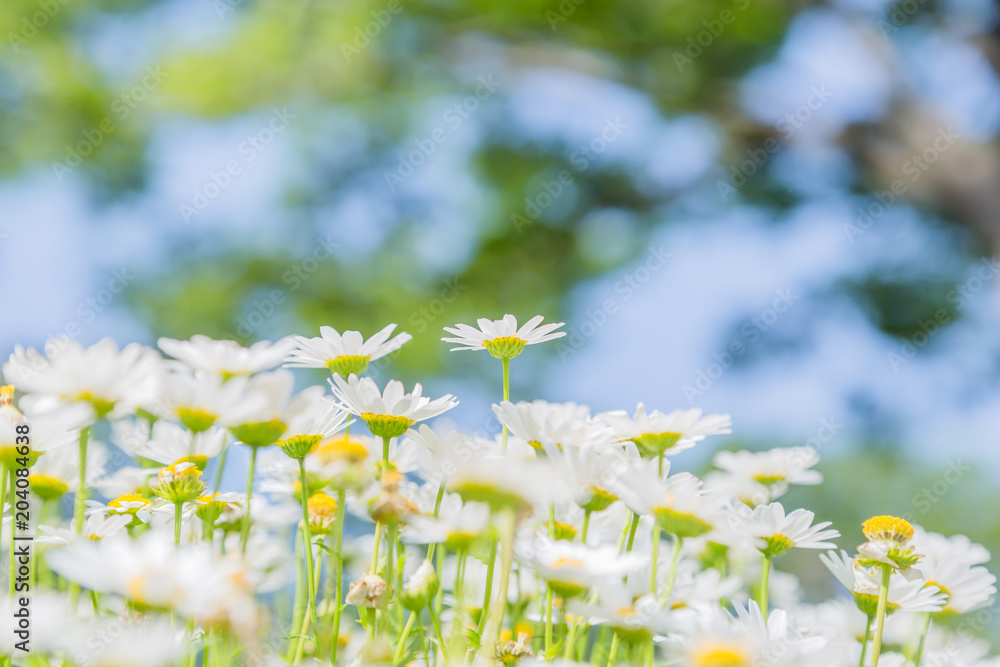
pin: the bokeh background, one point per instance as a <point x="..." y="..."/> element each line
<point x="787" y="211"/>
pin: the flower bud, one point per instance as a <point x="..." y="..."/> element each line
<point x="421" y="588"/>
<point x="179" y="483"/>
<point x="370" y="591"/>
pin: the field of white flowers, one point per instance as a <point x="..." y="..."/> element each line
<point x="366" y="537"/>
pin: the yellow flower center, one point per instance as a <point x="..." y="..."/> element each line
<point x="322" y="506"/>
<point x="505" y="347"/>
<point x="6" y="394"/>
<point x="341" y="449"/>
<point x="346" y="364"/>
<point x="720" y="656"/>
<point x="890" y="528"/>
<point x="567" y="562"/>
<point x="769" y="480"/>
<point x="119" y="502"/>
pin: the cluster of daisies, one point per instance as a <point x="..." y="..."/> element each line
<point x="361" y="535"/>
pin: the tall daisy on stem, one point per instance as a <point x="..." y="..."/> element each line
<point x="503" y="340"/>
<point x="388" y="414"/>
<point x="305" y="431"/>
<point x="888" y="549"/>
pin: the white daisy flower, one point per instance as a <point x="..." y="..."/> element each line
<point x="864" y="583"/>
<point x="768" y="474"/>
<point x="344" y="353"/>
<point x="656" y="434"/>
<point x="947" y="564"/>
<point x="746" y="639"/>
<point x="96" y="527"/>
<point x="776" y="533"/>
<point x="457" y="524"/>
<point x="227" y="357"/>
<point x="678" y="503"/>
<point x="572" y="569"/>
<point x="112" y="382"/>
<point x="635" y="618"/>
<point x="501" y="337"/>
<point x="549" y="427"/>
<point x="389" y="413"/>
<point x="113" y="643"/>
<point x="171" y="443"/>
<point x="199" y="399"/>
<point x="58" y="471"/>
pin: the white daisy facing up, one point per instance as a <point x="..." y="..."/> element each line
<point x="502" y="338"/>
<point x="657" y="434"/>
<point x="864" y="583"/>
<point x="391" y="412"/>
<point x="345" y="353"/>
<point x="775" y="533"/>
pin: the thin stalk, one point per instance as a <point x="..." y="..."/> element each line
<point x="219" y="469"/>
<point x="80" y="500"/>
<point x="586" y="526"/>
<point x="402" y="638"/>
<point x="506" y="561"/>
<point x="437" y="631"/>
<point x="310" y="583"/>
<point x="883" y="601"/>
<point x="506" y="397"/>
<point x="549" y="603"/>
<point x="613" y="654"/>
<point x="338" y="573"/>
<point x="298" y="608"/>
<point x="245" y="533"/>
<point x="864" y="642"/>
<point x="178" y="508"/>
<point x="490" y="565"/>
<point x="923" y="637"/>
<point x="762" y="594"/>
<point x="675" y="560"/>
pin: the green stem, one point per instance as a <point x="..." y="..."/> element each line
<point x="402" y="639"/>
<point x="80" y="501"/>
<point x="385" y="453"/>
<point x="506" y="397"/>
<point x="310" y="583"/>
<point x="218" y="471"/>
<point x="585" y="528"/>
<point x="338" y="573"/>
<point x="437" y="631"/>
<point x="178" y="508"/>
<point x="675" y="560"/>
<point x="245" y="533"/>
<point x="883" y="602"/>
<point x="490" y="565"/>
<point x="506" y="561"/>
<point x="298" y="608"/>
<point x="613" y="654"/>
<point x="923" y="637"/>
<point x="549" y="603"/>
<point x="570" y="641"/>
<point x="864" y="642"/>
<point x="762" y="593"/>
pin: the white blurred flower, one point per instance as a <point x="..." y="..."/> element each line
<point x="656" y="433"/>
<point x="227" y="357"/>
